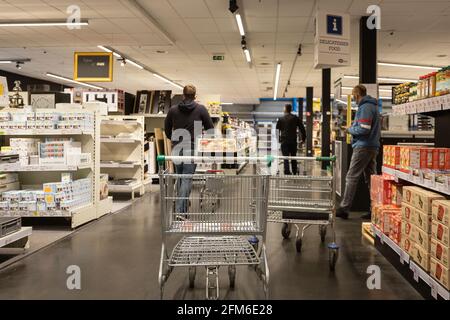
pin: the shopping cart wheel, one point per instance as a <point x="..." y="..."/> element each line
<point x="286" y="230"/>
<point x="298" y="245"/>
<point x="232" y="276"/>
<point x="323" y="232"/>
<point x="192" y="273"/>
<point x="333" y="255"/>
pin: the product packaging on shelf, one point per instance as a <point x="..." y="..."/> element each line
<point x="421" y="256"/>
<point x="422" y="220"/>
<point x="422" y="199"/>
<point x="440" y="252"/>
<point x="440" y="273"/>
<point x="441" y="211"/>
<point x="4" y="206"/>
<point x="408" y="230"/>
<point x="395" y="230"/>
<point x="421" y="238"/>
<point x="407" y="244"/>
<point x="440" y="232"/>
<point x="407" y="212"/>
<point x="408" y="194"/>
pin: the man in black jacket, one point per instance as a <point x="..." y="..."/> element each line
<point x="288" y="137"/>
<point x="179" y="126"/>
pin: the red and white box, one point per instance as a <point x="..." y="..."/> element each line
<point x="440" y="252"/>
<point x="421" y="256"/>
<point x="407" y="212"/>
<point x="441" y="211"/>
<point x="408" y="230"/>
<point x="407" y="244"/>
<point x="440" y="232"/>
<point x="422" y="220"/>
<point x="440" y="273"/>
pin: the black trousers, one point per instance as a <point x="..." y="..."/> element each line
<point x="289" y="149"/>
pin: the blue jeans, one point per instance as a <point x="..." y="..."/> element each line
<point x="184" y="186"/>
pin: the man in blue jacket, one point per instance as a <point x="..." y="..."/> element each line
<point x="366" y="132"/>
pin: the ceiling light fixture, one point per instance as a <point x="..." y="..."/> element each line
<point x="382" y="79"/>
<point x="247" y="55"/>
<point x="43" y="24"/>
<point x="167" y="80"/>
<point x="277" y="81"/>
<point x="401" y="65"/>
<point x="240" y="24"/>
<point x="134" y="64"/>
<point x="5" y="61"/>
<point x="48" y="74"/>
<point x="227" y="103"/>
<point x="104" y="48"/>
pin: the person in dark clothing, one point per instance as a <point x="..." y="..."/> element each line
<point x="288" y="137"/>
<point x="179" y="126"/>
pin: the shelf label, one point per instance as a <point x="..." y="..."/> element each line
<point x="434" y="290"/>
<point x="382" y="238"/>
<point x="413" y="267"/>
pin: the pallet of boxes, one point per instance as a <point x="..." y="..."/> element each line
<point x="440" y="242"/>
<point x="417" y="223"/>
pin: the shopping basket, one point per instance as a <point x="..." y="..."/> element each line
<point x="307" y="200"/>
<point x="223" y="212"/>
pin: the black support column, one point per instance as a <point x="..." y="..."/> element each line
<point x="309" y="121"/>
<point x="300" y="109"/>
<point x="326" y="114"/>
<point x="367" y="53"/>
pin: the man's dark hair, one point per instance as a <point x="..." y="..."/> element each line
<point x="189" y="92"/>
<point x="361" y="90"/>
<point x="288" y="108"/>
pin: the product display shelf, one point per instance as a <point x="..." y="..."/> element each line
<point x="43" y="168"/>
<point x="419" y="278"/>
<point x="104" y="206"/>
<point x="118" y="150"/>
<point x="419" y="180"/>
<point x="163" y="116"/>
<point x="430" y="105"/>
<point x="24" y="232"/>
<point x="38" y="175"/>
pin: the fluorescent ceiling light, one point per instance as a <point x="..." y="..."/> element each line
<point x="350" y="77"/>
<point x="397" y="80"/>
<point x="73" y="81"/>
<point x="341" y="101"/>
<point x="43" y="24"/>
<point x="240" y="24"/>
<point x="167" y="80"/>
<point x="277" y="81"/>
<point x="134" y="64"/>
<point x="227" y="103"/>
<point x="5" y="61"/>
<point x="387" y="64"/>
<point x="104" y="48"/>
<point x="387" y="98"/>
<point x="247" y="55"/>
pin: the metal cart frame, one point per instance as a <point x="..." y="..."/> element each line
<point x="294" y="201"/>
<point x="214" y="236"/>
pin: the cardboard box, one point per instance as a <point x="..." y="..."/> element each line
<point x="422" y="221"/>
<point x="421" y="256"/>
<point x="397" y="194"/>
<point x="407" y="212"/>
<point x="422" y="199"/>
<point x="395" y="230"/>
<point x="440" y="252"/>
<point x="440" y="273"/>
<point x="408" y="230"/>
<point x="440" y="232"/>
<point x="441" y="159"/>
<point x="407" y="244"/>
<point x="408" y="194"/>
<point x="421" y="238"/>
<point x="441" y="211"/>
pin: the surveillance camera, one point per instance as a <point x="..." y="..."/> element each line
<point x="233" y="6"/>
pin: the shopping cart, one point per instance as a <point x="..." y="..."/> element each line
<point x="307" y="200"/>
<point x="223" y="213"/>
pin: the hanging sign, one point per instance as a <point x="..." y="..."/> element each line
<point x="332" y="40"/>
<point x="93" y="66"/>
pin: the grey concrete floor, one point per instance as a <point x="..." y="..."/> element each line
<point x="119" y="259"/>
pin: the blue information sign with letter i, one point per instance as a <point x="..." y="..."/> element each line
<point x="334" y="25"/>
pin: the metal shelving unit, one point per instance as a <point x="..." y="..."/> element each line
<point x="117" y="150"/>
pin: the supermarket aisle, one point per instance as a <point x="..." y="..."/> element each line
<point x="119" y="257"/>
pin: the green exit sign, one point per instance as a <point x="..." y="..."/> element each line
<point x="218" y="57"/>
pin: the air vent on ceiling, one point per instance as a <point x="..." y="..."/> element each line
<point x="265" y="64"/>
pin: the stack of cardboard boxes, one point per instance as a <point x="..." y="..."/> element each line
<point x="416" y="223"/>
<point x="440" y="242"/>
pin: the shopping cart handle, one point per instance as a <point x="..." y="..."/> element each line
<point x="161" y="158"/>
<point x="331" y="159"/>
<point x="270" y="159"/>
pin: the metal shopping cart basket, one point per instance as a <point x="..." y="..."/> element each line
<point x="307" y="200"/>
<point x="222" y="214"/>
